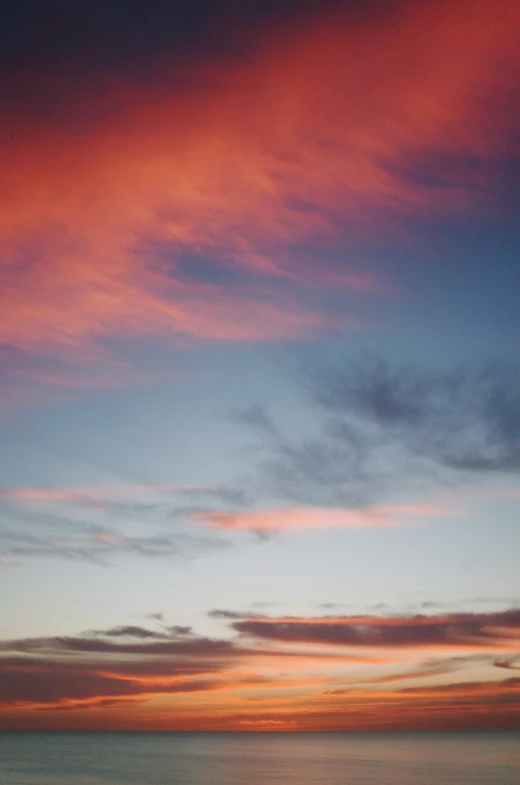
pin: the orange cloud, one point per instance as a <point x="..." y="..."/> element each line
<point x="324" y="132"/>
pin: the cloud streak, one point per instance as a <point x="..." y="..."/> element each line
<point x="105" y="522"/>
<point x="287" y="519"/>
<point x="472" y="631"/>
<point x="26" y="533"/>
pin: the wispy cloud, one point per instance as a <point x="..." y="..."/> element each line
<point x="381" y="430"/>
<point x="466" y="419"/>
<point x="103" y="547"/>
<point x="386" y="440"/>
<point x="104" y="522"/>
<point x="43" y="533"/>
<point x="319" y="134"/>
<point x="101" y="494"/>
<point x="283" y="519"/>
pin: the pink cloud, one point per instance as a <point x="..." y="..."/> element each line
<point x="295" y="518"/>
<point x="307" y="143"/>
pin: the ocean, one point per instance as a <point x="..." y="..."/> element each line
<point x="260" y="758"/>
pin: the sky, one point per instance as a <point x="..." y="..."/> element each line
<point x="259" y="365"/>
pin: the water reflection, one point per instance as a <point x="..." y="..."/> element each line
<point x="260" y="759"/>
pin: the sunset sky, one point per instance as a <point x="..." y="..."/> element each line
<point x="260" y="364"/>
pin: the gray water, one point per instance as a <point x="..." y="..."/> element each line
<point x="259" y="759"/>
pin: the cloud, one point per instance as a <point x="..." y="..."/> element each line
<point x="99" y="495"/>
<point x="294" y="671"/>
<point x="469" y="630"/>
<point x="428" y="669"/>
<point x="466" y="419"/>
<point x="282" y="519"/>
<point x="513" y="663"/>
<point x="158" y="645"/>
<point x="118" y="662"/>
<point x="219" y="613"/>
<point x="504" y="686"/>
<point x="379" y="430"/>
<point x="29" y="685"/>
<point x="156" y="616"/>
<point x="180" y="629"/>
<point x="319" y="470"/>
<point x="126" y="661"/>
<point x="131" y="631"/>
<point x="50" y="678"/>
<point x="190" y="194"/>
<point x="101" y="523"/>
<point x="124" y="500"/>
<point x="102" y="546"/>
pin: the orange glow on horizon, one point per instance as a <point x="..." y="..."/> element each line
<point x="134" y="678"/>
<point x="466" y="706"/>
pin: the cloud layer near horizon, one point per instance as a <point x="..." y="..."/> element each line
<point x="294" y="669"/>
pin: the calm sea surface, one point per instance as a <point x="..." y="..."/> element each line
<point x="259" y="759"/>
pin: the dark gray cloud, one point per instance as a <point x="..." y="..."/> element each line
<point x="376" y="427"/>
<point x="217" y="613"/>
<point x="25" y="684"/>
<point x="110" y="664"/>
<point x="180" y="629"/>
<point x="466" y="418"/>
<point x="143" y="633"/>
<point x="93" y="644"/>
<point x="510" y="664"/>
<point x="116" y="663"/>
<point x="458" y="630"/>
<point x="131" y="631"/>
<point x="130" y="661"/>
